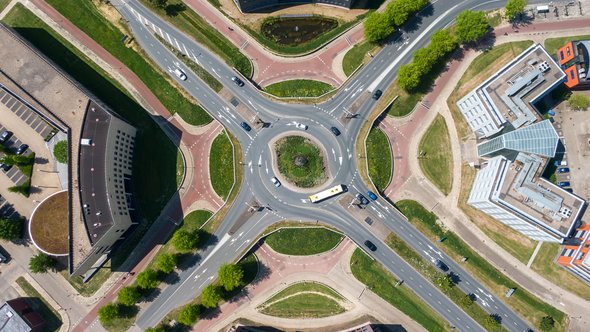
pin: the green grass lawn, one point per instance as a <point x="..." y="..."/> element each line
<point x="303" y="287"/>
<point x="436" y="156"/>
<point x="249" y="265"/>
<point x="196" y="219"/>
<point x="88" y="19"/>
<point x="311" y="173"/>
<point x="357" y="55"/>
<point x="191" y="23"/>
<point x="546" y="266"/>
<point x="553" y="44"/>
<point x="306" y="305"/>
<point x="41" y="306"/>
<point x="179" y="168"/>
<point x="403" y="105"/>
<point x="303" y="241"/>
<point x="91" y="286"/>
<point x="298" y="88"/>
<point x="3" y="4"/>
<point x="379" y="158"/>
<point x="221" y="165"/>
<point x="153" y="185"/>
<point x="382" y="283"/>
<point x="522" y="302"/>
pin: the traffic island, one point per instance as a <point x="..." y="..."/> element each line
<point x="300" y="161"/>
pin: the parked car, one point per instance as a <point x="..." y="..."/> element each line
<point x="5" y="167"/>
<point x="3" y="259"/>
<point x="370" y="245"/>
<point x="300" y="126"/>
<point x="335" y="131"/>
<point x="372" y="195"/>
<point x="377" y="94"/>
<point x="275" y="181"/>
<point x="5" y="136"/>
<point x="245" y="126"/>
<point x="560" y="163"/>
<point x="564" y="184"/>
<point x="441" y="265"/>
<point x="22" y="148"/>
<point x="237" y="80"/>
<point x="362" y="198"/>
<point x="180" y="74"/>
<point x="563" y="170"/>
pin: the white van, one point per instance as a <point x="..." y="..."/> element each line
<point x="180" y="74"/>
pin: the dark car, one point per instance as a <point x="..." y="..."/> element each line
<point x="22" y="148"/>
<point x="564" y="184"/>
<point x="372" y="195"/>
<point x="237" y="80"/>
<point x="442" y="265"/>
<point x="5" y="136"/>
<point x="377" y="94"/>
<point x="362" y="198"/>
<point x="335" y="131"/>
<point x="5" y="167"/>
<point x="245" y="126"/>
<point x="563" y="170"/>
<point x="370" y="245"/>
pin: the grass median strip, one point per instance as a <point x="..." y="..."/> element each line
<point x="299" y="88"/>
<point x="382" y="283"/>
<point x="305" y="305"/>
<point x="90" y="20"/>
<point x="303" y="241"/>
<point x="305" y="286"/>
<point x="379" y="158"/>
<point x="435" y="155"/>
<point x="524" y="303"/>
<point x="357" y="56"/>
<point x="221" y="165"/>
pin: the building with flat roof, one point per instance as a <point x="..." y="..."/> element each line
<point x="508" y="96"/>
<point x="246" y="6"/>
<point x="17" y="316"/>
<point x="574" y="58"/>
<point x="539" y="138"/>
<point x="574" y="255"/>
<point x="100" y="152"/>
<point x="514" y="193"/>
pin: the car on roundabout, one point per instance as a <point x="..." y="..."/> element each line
<point x="245" y="126"/>
<point x="335" y="131"/>
<point x="275" y="181"/>
<point x="300" y="126"/>
<point x="372" y="195"/>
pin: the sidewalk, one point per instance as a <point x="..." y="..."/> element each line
<point x="410" y="183"/>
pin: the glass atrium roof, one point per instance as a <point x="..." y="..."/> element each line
<point x="539" y="138"/>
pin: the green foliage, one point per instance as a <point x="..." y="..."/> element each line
<point x="409" y="76"/>
<point x="466" y="300"/>
<point x="167" y="262"/>
<point x="189" y="314"/>
<point x="185" y="241"/>
<point x="22" y="189"/>
<point x="108" y="313"/>
<point x="379" y="158"/>
<point x="230" y="276"/>
<point x="41" y="263"/>
<point x="514" y="8"/>
<point x="148" y="279"/>
<point x="578" y="101"/>
<point x="442" y="43"/>
<point x="129" y="295"/>
<point x="159" y="328"/>
<point x="11" y="229"/>
<point x="471" y="26"/>
<point x="60" y="151"/>
<point x="19" y="160"/>
<point x="377" y="27"/>
<point x="547" y="323"/>
<point x="211" y="296"/>
<point x="159" y="3"/>
<point x="444" y="281"/>
<point x="491" y="322"/>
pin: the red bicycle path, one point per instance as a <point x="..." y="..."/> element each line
<point x="198" y="145"/>
<point x="400" y="131"/>
<point x="270" y="68"/>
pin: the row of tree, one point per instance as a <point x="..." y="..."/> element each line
<point x="379" y="26"/>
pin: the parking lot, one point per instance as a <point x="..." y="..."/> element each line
<point x="14" y="173"/>
<point x="29" y="116"/>
<point x="7" y="210"/>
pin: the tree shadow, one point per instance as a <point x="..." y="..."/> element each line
<point x="175" y="9"/>
<point x="263" y="274"/>
<point x="128" y="311"/>
<point x="171" y="278"/>
<point x="187" y="260"/>
<point x="455" y="278"/>
<point x="483" y="44"/>
<point x="149" y="295"/>
<point x="41" y="160"/>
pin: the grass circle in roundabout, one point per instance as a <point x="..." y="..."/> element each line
<point x="300" y="161"/>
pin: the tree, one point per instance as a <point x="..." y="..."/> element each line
<point x="159" y="3"/>
<point x="13" y="159"/>
<point x="159" y="328"/>
<point x="547" y="323"/>
<point x="514" y="9"/>
<point x="397" y="12"/>
<point x="408" y="77"/>
<point x="60" y="151"/>
<point x="189" y="314"/>
<point x="210" y="296"/>
<point x="41" y="263"/>
<point x="148" y="279"/>
<point x="444" y="281"/>
<point x="491" y="322"/>
<point x="167" y="263"/>
<point x="230" y="276"/>
<point x="11" y="229"/>
<point x="129" y="295"/>
<point x="442" y="43"/>
<point x="184" y="240"/>
<point x="108" y="313"/>
<point x="377" y="27"/>
<point x="578" y="102"/>
<point x="467" y="300"/>
<point x="471" y="26"/>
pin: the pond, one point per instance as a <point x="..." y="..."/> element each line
<point x="292" y="31"/>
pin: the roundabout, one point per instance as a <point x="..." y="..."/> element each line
<point x="300" y="161"/>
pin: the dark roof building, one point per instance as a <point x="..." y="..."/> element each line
<point x="254" y="5"/>
<point x="17" y="316"/>
<point x="574" y="59"/>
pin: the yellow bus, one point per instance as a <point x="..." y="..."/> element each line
<point x="330" y="192"/>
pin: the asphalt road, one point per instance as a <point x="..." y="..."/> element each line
<point x="283" y="203"/>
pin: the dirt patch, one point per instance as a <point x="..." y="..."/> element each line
<point x="49" y="224"/>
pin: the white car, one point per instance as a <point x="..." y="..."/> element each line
<point x="275" y="181"/>
<point x="180" y="74"/>
<point x="300" y="126"/>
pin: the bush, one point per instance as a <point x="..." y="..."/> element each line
<point x="148" y="279"/>
<point x="230" y="276"/>
<point x="210" y="296"/>
<point x="108" y="313"/>
<point x="189" y="314"/>
<point x="184" y="241"/>
<point x="41" y="263"/>
<point x="11" y="229"/>
<point x="547" y="323"/>
<point x="167" y="263"/>
<point x="578" y="101"/>
<point x="60" y="151"/>
<point x="129" y="295"/>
